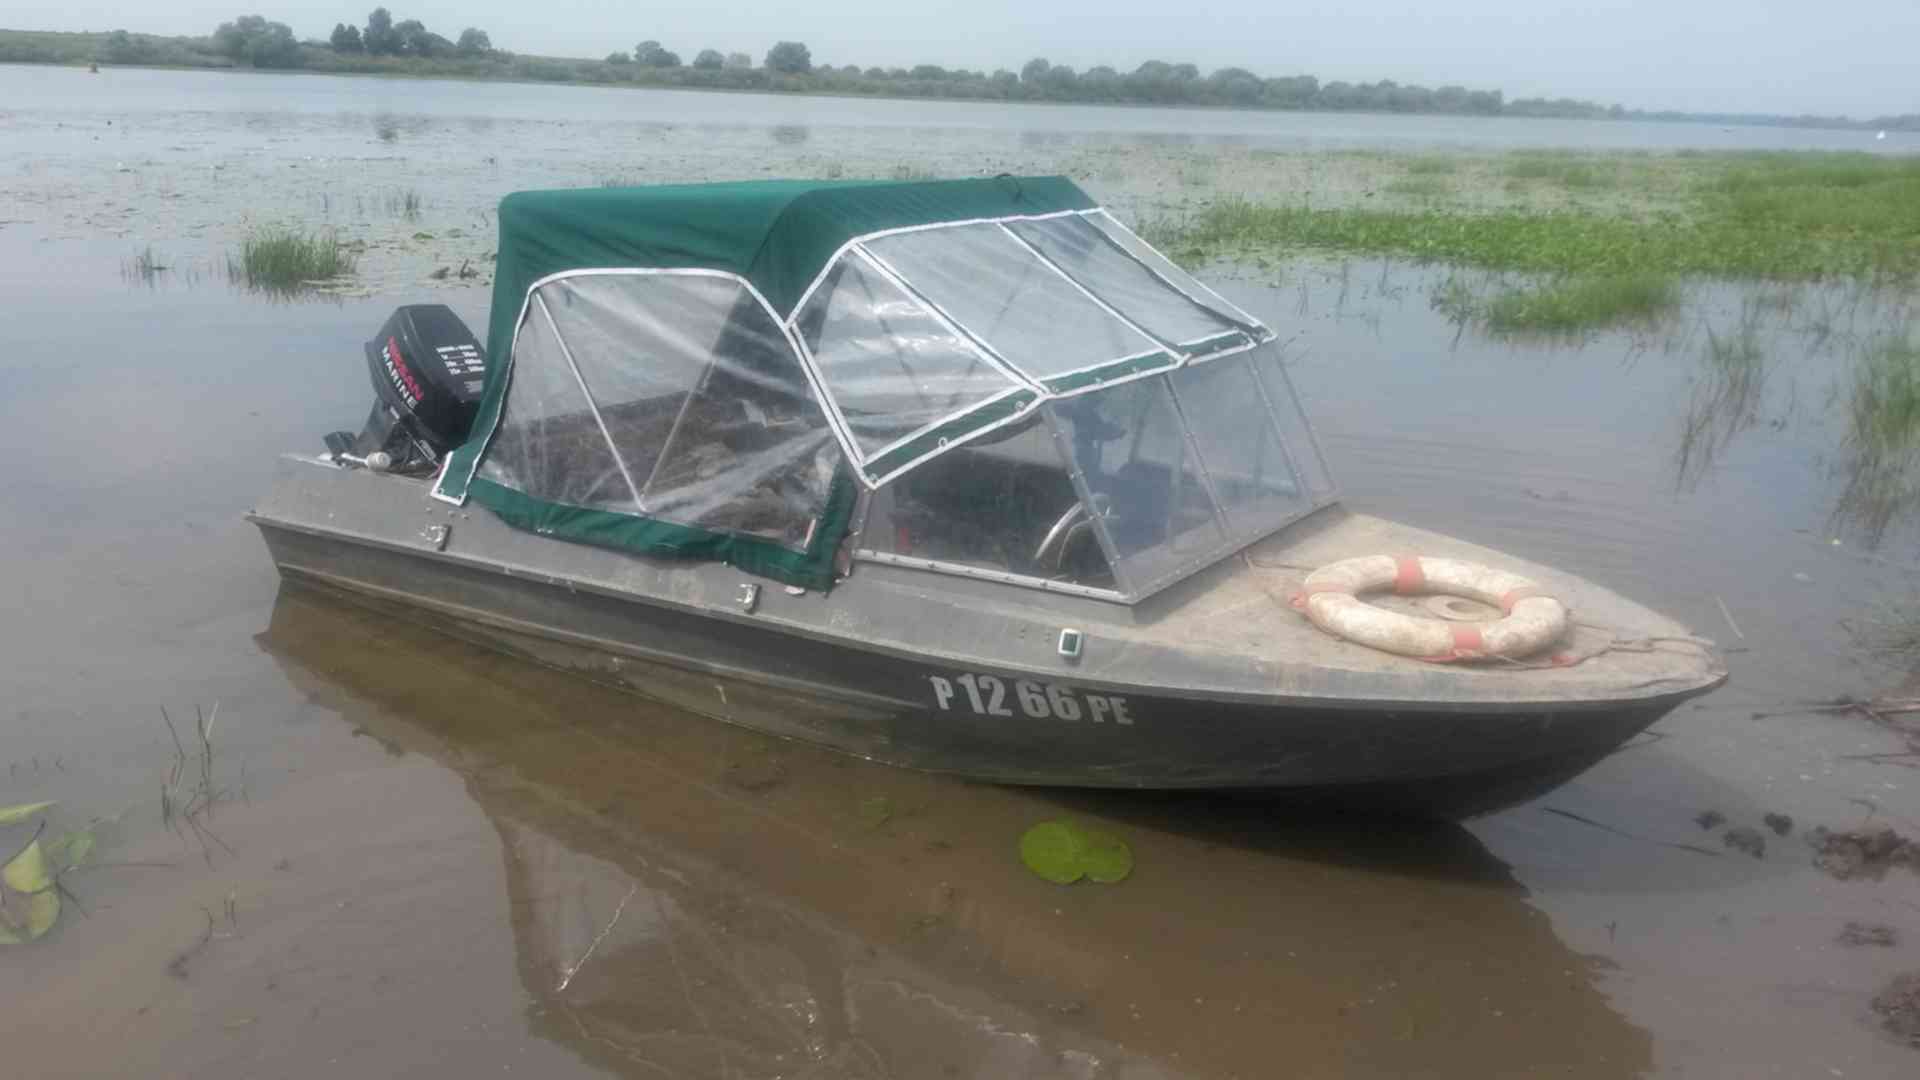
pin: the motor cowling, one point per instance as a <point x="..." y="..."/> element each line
<point x="428" y="372"/>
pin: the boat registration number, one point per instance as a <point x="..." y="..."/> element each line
<point x="990" y="695"/>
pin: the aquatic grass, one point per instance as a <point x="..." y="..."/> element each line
<point x="1717" y="244"/>
<point x="1890" y="628"/>
<point x="1881" y="461"/>
<point x="1754" y="216"/>
<point x="1830" y="194"/>
<point x="144" y="268"/>
<point x="1566" y="306"/>
<point x="1577" y="304"/>
<point x="396" y="202"/>
<point x="281" y="260"/>
<point x="1457" y="300"/>
<point x="1726" y="398"/>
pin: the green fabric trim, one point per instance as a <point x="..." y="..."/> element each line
<point x="958" y="429"/>
<point x="809" y="569"/>
<point x="1081" y="380"/>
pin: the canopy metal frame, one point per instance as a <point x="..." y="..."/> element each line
<point x="1026" y="391"/>
<point x="885" y="464"/>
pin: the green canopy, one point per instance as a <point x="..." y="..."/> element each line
<point x="778" y="234"/>
<point x="708" y="370"/>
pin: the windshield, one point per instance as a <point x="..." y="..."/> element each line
<point x="930" y="337"/>
<point x="1121" y="491"/>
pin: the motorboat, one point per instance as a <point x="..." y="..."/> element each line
<point x="960" y="476"/>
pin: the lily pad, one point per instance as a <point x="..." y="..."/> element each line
<point x="1107" y="859"/>
<point x="1063" y="853"/>
<point x="27" y="873"/>
<point x="14" y="815"/>
<point x="71" y="849"/>
<point x="1055" y="850"/>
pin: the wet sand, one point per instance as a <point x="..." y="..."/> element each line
<point x="427" y="839"/>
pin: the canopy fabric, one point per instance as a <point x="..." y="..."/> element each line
<point x="778" y="234"/>
<point x="707" y="369"/>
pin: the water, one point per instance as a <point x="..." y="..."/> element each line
<point x="429" y="841"/>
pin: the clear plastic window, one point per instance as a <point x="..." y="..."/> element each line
<point x="641" y="342"/>
<point x="1083" y="251"/>
<point x="1004" y="502"/>
<point x="1239" y="444"/>
<point x="548" y="444"/>
<point x="700" y="392"/>
<point x="1036" y="320"/>
<point x="891" y="366"/>
<point x="1302" y="448"/>
<point x="1164" y="266"/>
<point x="1142" y="481"/>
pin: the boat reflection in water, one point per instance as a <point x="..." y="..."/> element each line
<point x="691" y="899"/>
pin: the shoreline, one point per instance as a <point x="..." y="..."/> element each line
<point x="465" y="77"/>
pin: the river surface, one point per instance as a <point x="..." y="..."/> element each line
<point x="432" y="860"/>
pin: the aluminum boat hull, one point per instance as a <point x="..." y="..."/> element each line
<point x="1155" y="703"/>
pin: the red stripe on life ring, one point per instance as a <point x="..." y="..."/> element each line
<point x="1467" y="640"/>
<point x="1408" y="578"/>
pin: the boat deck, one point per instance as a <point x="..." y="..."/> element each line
<point x="1226" y="633"/>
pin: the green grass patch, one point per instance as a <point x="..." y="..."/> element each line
<point x="287" y="260"/>
<point x="1577" y="304"/>
<point x="1432" y="166"/>
<point x="1766" y="217"/>
<point x="1565" y="306"/>
<point x="1823" y="195"/>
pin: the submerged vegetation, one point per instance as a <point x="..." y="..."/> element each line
<point x="144" y="268"/>
<point x="1567" y="306"/>
<point x="1788" y="217"/>
<point x="1727" y="397"/>
<point x="1882" y="447"/>
<point x="280" y="260"/>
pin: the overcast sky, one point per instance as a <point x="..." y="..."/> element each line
<point x="1860" y="57"/>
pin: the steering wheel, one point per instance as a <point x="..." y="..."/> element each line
<point x="1071" y="524"/>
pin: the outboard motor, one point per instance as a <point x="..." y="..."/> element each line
<point x="428" y="370"/>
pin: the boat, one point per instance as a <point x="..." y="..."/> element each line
<point x="961" y="476"/>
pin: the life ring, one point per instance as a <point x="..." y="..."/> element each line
<point x="1330" y="597"/>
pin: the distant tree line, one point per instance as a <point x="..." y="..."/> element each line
<point x="407" y="46"/>
<point x="384" y="37"/>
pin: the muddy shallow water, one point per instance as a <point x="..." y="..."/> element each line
<point x="436" y="860"/>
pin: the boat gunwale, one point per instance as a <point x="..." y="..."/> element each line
<point x="1670" y="690"/>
